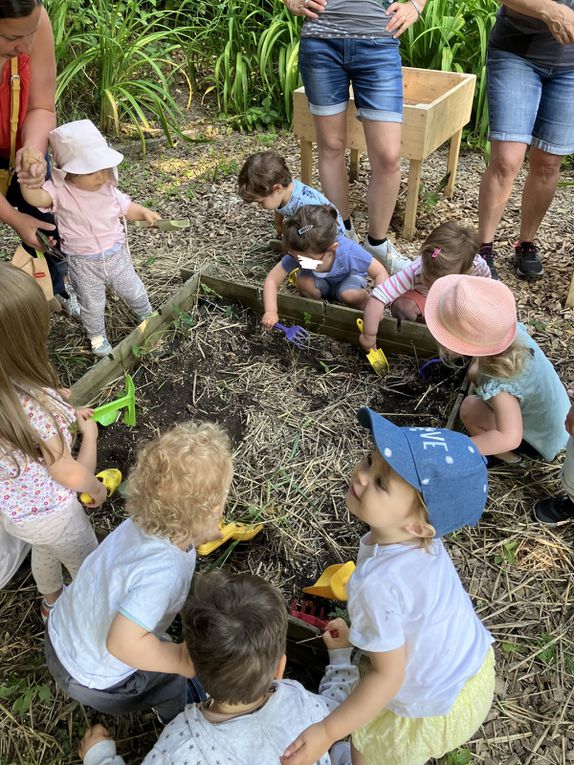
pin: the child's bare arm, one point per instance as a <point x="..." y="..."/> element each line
<point x="377" y="272"/>
<point x="507" y="431"/>
<point x="138" y="648"/>
<point x="139" y="212"/>
<point x="36" y="197"/>
<point x="372" y="317"/>
<point x="72" y="473"/>
<point x="370" y="696"/>
<point x="273" y="281"/>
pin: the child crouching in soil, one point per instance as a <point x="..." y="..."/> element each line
<point x="432" y="666"/>
<point x="235" y="628"/>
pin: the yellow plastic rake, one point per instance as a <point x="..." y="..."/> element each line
<point x="376" y="357"/>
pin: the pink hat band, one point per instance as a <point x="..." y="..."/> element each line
<point x="471" y="315"/>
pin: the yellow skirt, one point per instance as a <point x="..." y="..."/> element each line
<point x="392" y="740"/>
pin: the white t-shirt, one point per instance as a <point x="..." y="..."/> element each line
<point x="143" y="577"/>
<point x="27" y="490"/>
<point x="400" y="595"/>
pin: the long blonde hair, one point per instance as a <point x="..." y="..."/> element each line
<point x="24" y="363"/>
<point x="506" y="364"/>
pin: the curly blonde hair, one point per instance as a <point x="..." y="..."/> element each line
<point x="507" y="364"/>
<point x="179" y="479"/>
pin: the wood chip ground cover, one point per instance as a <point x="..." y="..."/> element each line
<point x="518" y="574"/>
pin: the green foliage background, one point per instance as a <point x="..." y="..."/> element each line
<point x="124" y="61"/>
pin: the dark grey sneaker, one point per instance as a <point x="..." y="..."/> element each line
<point x="487" y="254"/>
<point x="527" y="261"/>
<point x="553" y="511"/>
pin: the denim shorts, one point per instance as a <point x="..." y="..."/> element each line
<point x="333" y="290"/>
<point x="372" y="66"/>
<point x="529" y="103"/>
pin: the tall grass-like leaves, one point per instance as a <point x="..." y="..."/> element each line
<point x="124" y="56"/>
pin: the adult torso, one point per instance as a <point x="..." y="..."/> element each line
<point x="350" y="18"/>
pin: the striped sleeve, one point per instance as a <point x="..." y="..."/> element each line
<point x="395" y="286"/>
<point x="480" y="267"/>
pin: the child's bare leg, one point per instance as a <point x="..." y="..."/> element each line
<point x="355" y="298"/>
<point x="477" y="417"/>
<point x="307" y="288"/>
<point x="405" y="309"/>
<point x="356" y="757"/>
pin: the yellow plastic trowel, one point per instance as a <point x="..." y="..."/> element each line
<point x="376" y="358"/>
<point x="332" y="584"/>
<point x="111" y="478"/>
<point x="241" y="532"/>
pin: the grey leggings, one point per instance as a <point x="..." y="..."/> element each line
<point x="91" y="275"/>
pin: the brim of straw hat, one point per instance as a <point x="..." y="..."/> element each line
<point x="445" y="336"/>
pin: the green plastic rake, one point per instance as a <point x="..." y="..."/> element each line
<point x="108" y="413"/>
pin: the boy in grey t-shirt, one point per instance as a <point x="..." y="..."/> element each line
<point x="235" y="628"/>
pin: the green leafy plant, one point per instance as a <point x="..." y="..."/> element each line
<point x="458" y="757"/>
<point x="21" y="694"/>
<point x="508" y="552"/>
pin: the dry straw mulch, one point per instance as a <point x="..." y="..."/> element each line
<point x="518" y="574"/>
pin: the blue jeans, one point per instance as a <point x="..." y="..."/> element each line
<point x="334" y="290"/>
<point x="372" y="66"/>
<point x="529" y="103"/>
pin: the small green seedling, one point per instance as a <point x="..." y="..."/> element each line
<point x="508" y="552"/>
<point x="108" y="413"/>
<point x="458" y="757"/>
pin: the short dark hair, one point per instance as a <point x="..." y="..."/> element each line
<point x="313" y="228"/>
<point x="235" y="628"/>
<point x="17" y="9"/>
<point x="260" y="173"/>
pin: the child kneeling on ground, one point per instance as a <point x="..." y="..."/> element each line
<point x="235" y="626"/>
<point x="105" y="643"/>
<point x="431" y="682"/>
<point x="332" y="266"/>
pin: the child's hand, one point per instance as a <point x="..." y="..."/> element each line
<point x="150" y="216"/>
<point x="65" y="393"/>
<point x="368" y="341"/>
<point x="86" y="425"/>
<point x="98" y="496"/>
<point x="92" y="737"/>
<point x="569" y="422"/>
<point x="309" y="747"/>
<point x="336" y="635"/>
<point x="270" y="318"/>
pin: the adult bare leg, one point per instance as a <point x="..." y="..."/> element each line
<point x="384" y="149"/>
<point x="331" y="135"/>
<point x="538" y="193"/>
<point x="506" y="158"/>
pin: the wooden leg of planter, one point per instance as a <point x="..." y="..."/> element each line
<point x="453" y="153"/>
<point x="307" y="162"/>
<point x="354" y="165"/>
<point x="570" y="298"/>
<point x="412" y="198"/>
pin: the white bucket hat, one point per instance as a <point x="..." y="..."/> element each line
<point x="79" y="147"/>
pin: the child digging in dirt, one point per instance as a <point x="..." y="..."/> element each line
<point x="519" y="404"/>
<point x="235" y="628"/>
<point x="39" y="478"/>
<point x="449" y="249"/>
<point x="105" y="644"/>
<point x="431" y="682"/>
<point x="88" y="209"/>
<point x="331" y="266"/>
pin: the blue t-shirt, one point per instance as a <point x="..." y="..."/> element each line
<point x="350" y="258"/>
<point x="543" y="400"/>
<point x="305" y="195"/>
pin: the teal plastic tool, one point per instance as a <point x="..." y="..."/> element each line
<point x="106" y="414"/>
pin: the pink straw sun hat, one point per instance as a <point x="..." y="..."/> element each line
<point x="471" y="315"/>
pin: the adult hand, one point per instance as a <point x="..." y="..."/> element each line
<point x="307" y="748"/>
<point x="309" y="8"/>
<point x="403" y="15"/>
<point x="560" y="21"/>
<point x="92" y="737"/>
<point x="31" y="167"/>
<point x="26" y="226"/>
<point x="270" y="318"/>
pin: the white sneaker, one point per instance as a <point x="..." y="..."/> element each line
<point x="70" y="304"/>
<point x="100" y="345"/>
<point x="351" y="233"/>
<point x="387" y="254"/>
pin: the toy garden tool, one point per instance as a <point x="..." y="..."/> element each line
<point x="376" y="358"/>
<point x="332" y="584"/>
<point x="111" y="478"/>
<point x="295" y="334"/>
<point x="241" y="532"/>
<point x="106" y="414"/>
<point x="165" y="225"/>
<point x="307" y="611"/>
<point x="292" y="278"/>
<point x="427" y="366"/>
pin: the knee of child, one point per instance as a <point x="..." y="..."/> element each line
<point x="405" y="309"/>
<point x="306" y="287"/>
<point x="469" y="409"/>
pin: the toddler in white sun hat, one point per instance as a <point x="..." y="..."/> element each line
<point x="90" y="212"/>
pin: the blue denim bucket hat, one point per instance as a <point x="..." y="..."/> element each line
<point x="443" y="465"/>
